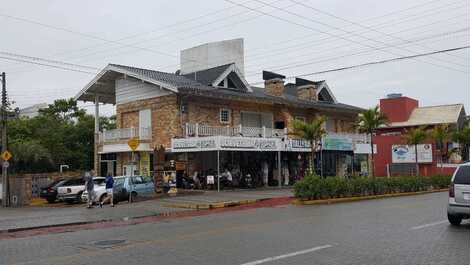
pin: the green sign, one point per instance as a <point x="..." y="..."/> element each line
<point x="335" y="143"/>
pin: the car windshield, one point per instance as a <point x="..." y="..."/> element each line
<point x="99" y="181"/>
<point x="58" y="183"/>
<point x="118" y="181"/>
<point x="463" y="175"/>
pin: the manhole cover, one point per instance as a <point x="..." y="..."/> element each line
<point x="109" y="243"/>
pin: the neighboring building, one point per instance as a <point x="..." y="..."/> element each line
<point x="213" y="118"/>
<point x="394" y="157"/>
<point x="32" y="111"/>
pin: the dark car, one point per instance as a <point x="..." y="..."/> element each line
<point x="50" y="192"/>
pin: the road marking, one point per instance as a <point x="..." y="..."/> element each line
<point x="428" y="225"/>
<point x="284" y="256"/>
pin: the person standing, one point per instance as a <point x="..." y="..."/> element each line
<point x="109" y="191"/>
<point x="90" y="188"/>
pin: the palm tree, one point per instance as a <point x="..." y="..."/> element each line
<point x="441" y="134"/>
<point x="368" y="122"/>
<point x="415" y="136"/>
<point x="311" y="132"/>
<point x="462" y="136"/>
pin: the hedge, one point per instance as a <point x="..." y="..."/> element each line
<point x="314" y="187"/>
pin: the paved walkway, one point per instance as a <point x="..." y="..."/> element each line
<point x="32" y="217"/>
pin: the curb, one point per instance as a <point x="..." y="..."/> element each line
<point x="362" y="198"/>
<point x="20" y="229"/>
<point x="215" y="205"/>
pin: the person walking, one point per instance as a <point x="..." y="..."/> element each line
<point x="109" y="191"/>
<point x="90" y="188"/>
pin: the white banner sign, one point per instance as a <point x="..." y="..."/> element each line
<point x="406" y="153"/>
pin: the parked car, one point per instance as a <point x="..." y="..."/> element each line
<point x="138" y="185"/>
<point x="50" y="192"/>
<point x="459" y="195"/>
<point x="71" y="191"/>
<point x="100" y="192"/>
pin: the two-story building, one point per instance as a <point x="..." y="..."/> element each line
<point x="208" y="118"/>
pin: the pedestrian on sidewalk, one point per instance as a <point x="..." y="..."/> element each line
<point x="90" y="188"/>
<point x="109" y="191"/>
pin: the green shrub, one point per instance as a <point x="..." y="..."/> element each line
<point x="313" y="187"/>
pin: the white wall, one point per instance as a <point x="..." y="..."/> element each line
<point x="213" y="54"/>
<point x="128" y="90"/>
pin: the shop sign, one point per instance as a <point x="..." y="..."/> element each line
<point x="298" y="145"/>
<point x="336" y="143"/>
<point x="406" y="153"/>
<point x="248" y="143"/>
<point x="196" y="143"/>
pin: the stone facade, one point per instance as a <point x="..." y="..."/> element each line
<point x="307" y="93"/>
<point x="274" y="87"/>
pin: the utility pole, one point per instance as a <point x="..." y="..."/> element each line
<point x="5" y="182"/>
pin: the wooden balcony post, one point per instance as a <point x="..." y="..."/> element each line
<point x="186" y="128"/>
<point x="197" y="130"/>
<point x="264" y="131"/>
<point x="240" y="130"/>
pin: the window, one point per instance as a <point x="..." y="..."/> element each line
<point x="225" y="115"/>
<point x="463" y="175"/>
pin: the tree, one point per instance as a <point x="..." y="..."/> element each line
<point x="313" y="133"/>
<point x="462" y="136"/>
<point x="368" y="122"/>
<point x="61" y="134"/>
<point x="415" y="136"/>
<point x="441" y="134"/>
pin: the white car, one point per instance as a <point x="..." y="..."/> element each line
<point x="100" y="191"/>
<point x="72" y="190"/>
<point x="458" y="207"/>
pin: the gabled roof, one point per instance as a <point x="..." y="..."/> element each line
<point x="103" y="85"/>
<point x="432" y="115"/>
<point x="214" y="76"/>
<point x="207" y="77"/>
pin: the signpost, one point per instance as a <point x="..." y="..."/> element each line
<point x="133" y="144"/>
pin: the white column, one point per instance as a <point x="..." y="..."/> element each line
<point x="97" y="132"/>
<point x="279" y="164"/>
<point x="218" y="171"/>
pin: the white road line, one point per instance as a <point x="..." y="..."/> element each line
<point x="287" y="255"/>
<point x="428" y="225"/>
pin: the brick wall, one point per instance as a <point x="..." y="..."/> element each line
<point x="165" y="117"/>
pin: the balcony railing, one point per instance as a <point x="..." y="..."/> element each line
<point x="199" y="130"/>
<point x="124" y="134"/>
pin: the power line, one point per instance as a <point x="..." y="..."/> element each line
<point x="336" y="28"/>
<point x="48" y="65"/>
<point x="378" y="62"/>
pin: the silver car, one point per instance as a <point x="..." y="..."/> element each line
<point x="459" y="195"/>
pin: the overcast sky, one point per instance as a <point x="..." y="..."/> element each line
<point x="302" y="39"/>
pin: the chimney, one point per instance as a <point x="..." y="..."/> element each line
<point x="398" y="108"/>
<point x="306" y="89"/>
<point x="273" y="83"/>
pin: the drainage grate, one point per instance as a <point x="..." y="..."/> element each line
<point x="109" y="243"/>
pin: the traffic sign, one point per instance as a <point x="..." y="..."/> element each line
<point x="6" y="155"/>
<point x="133" y="143"/>
<point x="5" y="164"/>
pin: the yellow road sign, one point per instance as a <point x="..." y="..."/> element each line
<point x="6" y="155"/>
<point x="133" y="143"/>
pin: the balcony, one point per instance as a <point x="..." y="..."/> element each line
<point x="124" y="134"/>
<point x="199" y="130"/>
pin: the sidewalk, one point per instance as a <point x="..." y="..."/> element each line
<point x="14" y="219"/>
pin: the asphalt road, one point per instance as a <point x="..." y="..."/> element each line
<point x="407" y="230"/>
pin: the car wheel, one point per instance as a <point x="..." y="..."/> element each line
<point x="133" y="196"/>
<point x="50" y="200"/>
<point x="454" y="219"/>
<point x="79" y="198"/>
